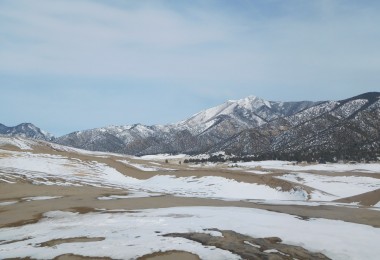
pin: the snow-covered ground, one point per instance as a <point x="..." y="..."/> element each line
<point x="331" y="167"/>
<point x="124" y="234"/>
<point x="144" y="167"/>
<point x="60" y="170"/>
<point x="340" y="186"/>
<point x="129" y="235"/>
<point x="29" y="144"/>
<point x="161" y="157"/>
<point x="218" y="187"/>
<point x="21" y="143"/>
<point x="306" y="203"/>
<point x="55" y="169"/>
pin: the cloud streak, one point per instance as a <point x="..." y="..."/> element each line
<point x="96" y="39"/>
<point x="210" y="49"/>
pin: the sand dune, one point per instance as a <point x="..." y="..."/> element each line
<point x="46" y="187"/>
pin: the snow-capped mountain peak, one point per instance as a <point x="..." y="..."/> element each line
<point x="251" y="111"/>
<point x="229" y="108"/>
<point x="246" y="126"/>
<point x="251" y="102"/>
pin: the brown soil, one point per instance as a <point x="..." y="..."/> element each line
<point x="11" y="148"/>
<point x="55" y="242"/>
<point x="79" y="257"/>
<point x="64" y="257"/>
<point x="170" y="255"/>
<point x="366" y="199"/>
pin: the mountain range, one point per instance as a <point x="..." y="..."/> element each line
<point x="305" y="130"/>
<point x="26" y="130"/>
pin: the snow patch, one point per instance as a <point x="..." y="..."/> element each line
<point x="41" y="198"/>
<point x="254" y="245"/>
<point x="341" y="186"/>
<point x="145" y="168"/>
<point x="132" y="194"/>
<point x="17" y="142"/>
<point x="6" y="203"/>
<point x="161" y="157"/>
<point x="332" y="167"/>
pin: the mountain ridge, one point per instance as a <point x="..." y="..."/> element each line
<point x="27" y="130"/>
<point x="249" y="126"/>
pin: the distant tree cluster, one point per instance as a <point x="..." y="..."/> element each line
<point x="352" y="153"/>
<point x="222" y="158"/>
<point x="212" y="158"/>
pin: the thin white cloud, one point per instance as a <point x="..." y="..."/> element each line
<point x="89" y="38"/>
<point x="337" y="44"/>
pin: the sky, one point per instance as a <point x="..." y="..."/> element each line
<point x="79" y="64"/>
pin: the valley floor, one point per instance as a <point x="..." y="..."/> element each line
<point x="63" y="203"/>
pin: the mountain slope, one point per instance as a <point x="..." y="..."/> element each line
<point x="26" y="130"/>
<point x="342" y="129"/>
<point x="251" y="126"/>
<point x="198" y="134"/>
<point x="250" y="112"/>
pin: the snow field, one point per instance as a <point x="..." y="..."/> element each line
<point x="332" y="167"/>
<point x="59" y="170"/>
<point x="145" y="168"/>
<point x="340" y="186"/>
<point x="14" y="141"/>
<point x="141" y="232"/>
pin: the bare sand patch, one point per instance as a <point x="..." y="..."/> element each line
<point x="30" y="219"/>
<point x="84" y="200"/>
<point x="12" y="148"/>
<point x="79" y="257"/>
<point x="55" y="242"/>
<point x="366" y="199"/>
<point x="170" y="255"/>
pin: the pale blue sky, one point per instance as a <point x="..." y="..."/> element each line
<point x="73" y="65"/>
